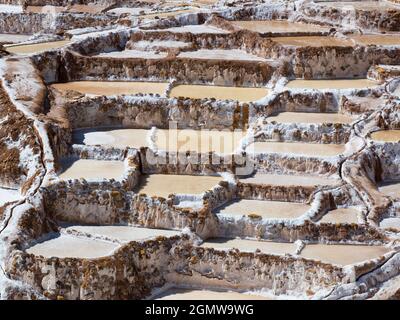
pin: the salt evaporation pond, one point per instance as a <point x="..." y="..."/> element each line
<point x="311" y="117"/>
<point x="241" y="94"/>
<point x="377" y="39"/>
<point x="133" y="54"/>
<point x="199" y="294"/>
<point x="113" y="87"/>
<point x="268" y="247"/>
<point x="36" y="48"/>
<point x="122" y="233"/>
<point x="335" y="254"/>
<point x="332" y="84"/>
<point x="162" y="185"/>
<point x="67" y="246"/>
<point x="265" y="209"/>
<point x="91" y="169"/>
<point x="279" y="26"/>
<point x="289" y="180"/>
<point x="341" y="215"/>
<point x="386" y="136"/>
<point x="220" y="54"/>
<point x="201" y="141"/>
<point x="194" y="29"/>
<point x="297" y="148"/>
<point x="76" y="8"/>
<point x="362" y="5"/>
<point x="342" y="254"/>
<point x="155" y="44"/>
<point x="313" y="41"/>
<point x="13" y="38"/>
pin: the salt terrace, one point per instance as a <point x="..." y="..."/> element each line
<point x="157" y="145"/>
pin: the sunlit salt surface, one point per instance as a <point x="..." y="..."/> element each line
<point x="219" y="54"/>
<point x="195" y="29"/>
<point x="149" y="45"/>
<point x="311" y="117"/>
<point x="113" y="87"/>
<point x="377" y="39"/>
<point x="66" y="246"/>
<point x="77" y="8"/>
<point x="91" y="169"/>
<point x="162" y="185"/>
<point x="391" y="189"/>
<point x="199" y="294"/>
<point x="313" y="41"/>
<point x="332" y="84"/>
<point x="201" y="141"/>
<point x="386" y="136"/>
<point x="390" y="223"/>
<point x="138" y="54"/>
<point x="13" y="38"/>
<point x="361" y="5"/>
<point x="279" y="26"/>
<point x="126" y="10"/>
<point x="8" y="8"/>
<point x="36" y="48"/>
<point x="8" y="195"/>
<point x="342" y="254"/>
<point x="268" y="247"/>
<point x="297" y="148"/>
<point x="289" y="180"/>
<point x="341" y="215"/>
<point x="218" y="92"/>
<point x="264" y="209"/>
<point x="122" y="233"/>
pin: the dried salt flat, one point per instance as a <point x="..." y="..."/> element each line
<point x="279" y="26"/>
<point x="122" y="233"/>
<point x="8" y="8"/>
<point x="391" y="189"/>
<point x="113" y="87"/>
<point x="201" y="141"/>
<point x="332" y="84"/>
<point x="8" y="195"/>
<point x="386" y="136"/>
<point x="203" y="294"/>
<point x="297" y="148"/>
<point x="67" y="246"/>
<point x="311" y="117"/>
<point x="91" y="169"/>
<point x="219" y="54"/>
<point x="392" y="223"/>
<point x="377" y="39"/>
<point x="162" y="185"/>
<point x="138" y="54"/>
<point x="195" y="29"/>
<point x="289" y="180"/>
<point x="13" y="38"/>
<point x="313" y="41"/>
<point x="36" y="48"/>
<point x="341" y="215"/>
<point x="241" y="94"/>
<point x="263" y="208"/>
<point x="149" y="45"/>
<point x="342" y="254"/>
